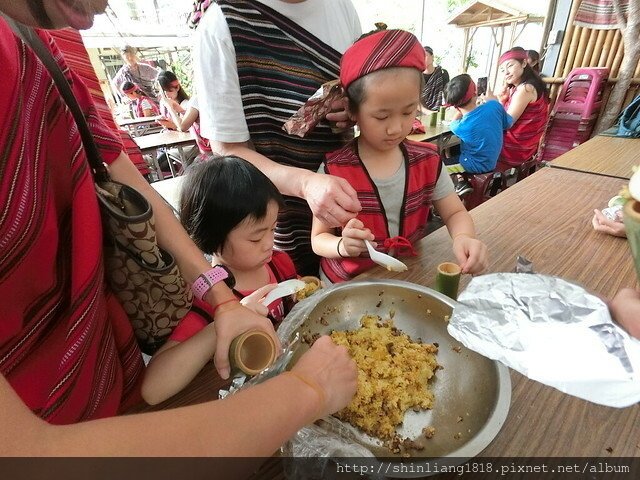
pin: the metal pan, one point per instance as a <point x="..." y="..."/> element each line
<point x="472" y="393"/>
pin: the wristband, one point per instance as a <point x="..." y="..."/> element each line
<point x="338" y="247"/>
<point x="207" y="280"/>
<point x="317" y="388"/>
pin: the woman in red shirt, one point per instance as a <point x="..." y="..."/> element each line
<point x="525" y="97"/>
<point x="67" y="351"/>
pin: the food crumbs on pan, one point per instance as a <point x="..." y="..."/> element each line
<point x="446" y="318"/>
<point x="419" y="296"/>
<point x="459" y="419"/>
<point x="457" y="436"/>
<point x="428" y="311"/>
<point x="324" y="321"/>
<point x="609" y="449"/>
<point x="379" y="303"/>
<point x="392" y="313"/>
<point x="428" y="432"/>
<point x="457" y="349"/>
<point x="381" y="292"/>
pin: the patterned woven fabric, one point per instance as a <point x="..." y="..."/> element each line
<point x="66" y="347"/>
<point x="599" y="14"/>
<point x="280" y="65"/>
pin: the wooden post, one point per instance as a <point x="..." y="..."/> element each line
<point x="617" y="38"/>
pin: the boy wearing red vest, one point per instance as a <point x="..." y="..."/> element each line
<point x="397" y="180"/>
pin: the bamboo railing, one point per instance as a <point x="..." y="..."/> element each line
<point x="588" y="47"/>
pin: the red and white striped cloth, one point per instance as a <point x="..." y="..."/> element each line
<point x="599" y="14"/>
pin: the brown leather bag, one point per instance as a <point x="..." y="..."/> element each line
<point x="143" y="276"/>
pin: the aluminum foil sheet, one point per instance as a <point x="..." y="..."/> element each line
<point x="551" y="331"/>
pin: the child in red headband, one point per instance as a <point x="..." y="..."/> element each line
<point x="143" y="105"/>
<point x="479" y="127"/>
<point x="397" y="180"/>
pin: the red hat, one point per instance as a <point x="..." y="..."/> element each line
<point x="512" y="55"/>
<point x="384" y="49"/>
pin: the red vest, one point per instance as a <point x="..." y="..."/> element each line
<point x="140" y="110"/>
<point x="422" y="168"/>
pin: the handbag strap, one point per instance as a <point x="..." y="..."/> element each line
<point x="31" y="38"/>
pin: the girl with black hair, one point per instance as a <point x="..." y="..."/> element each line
<point x="229" y="208"/>
<point x="179" y="111"/>
<point x="524" y="96"/>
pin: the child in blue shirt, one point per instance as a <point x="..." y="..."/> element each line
<point x="480" y="127"/>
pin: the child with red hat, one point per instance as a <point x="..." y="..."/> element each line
<point x="397" y="180"/>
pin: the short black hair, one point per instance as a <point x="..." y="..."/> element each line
<point x="218" y="194"/>
<point x="456" y="89"/>
<point x="428" y="49"/>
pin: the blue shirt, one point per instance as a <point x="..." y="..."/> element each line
<point x="480" y="132"/>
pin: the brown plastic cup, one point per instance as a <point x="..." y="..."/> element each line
<point x="252" y="352"/>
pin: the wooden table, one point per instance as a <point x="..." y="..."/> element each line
<point x="546" y="218"/>
<point x="140" y="125"/>
<point x="164" y="140"/>
<point x="610" y="156"/>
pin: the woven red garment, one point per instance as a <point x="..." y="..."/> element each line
<point x="66" y="347"/>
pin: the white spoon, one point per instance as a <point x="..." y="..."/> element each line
<point x="387" y="261"/>
<point x="288" y="287"/>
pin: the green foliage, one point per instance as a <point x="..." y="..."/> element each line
<point x="455" y="4"/>
<point x="183" y="68"/>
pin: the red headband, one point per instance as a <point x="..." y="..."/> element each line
<point x="175" y="84"/>
<point x="512" y="55"/>
<point x="385" y="49"/>
<point x="471" y="92"/>
<point x="131" y="89"/>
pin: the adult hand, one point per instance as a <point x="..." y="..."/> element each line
<point x="339" y="114"/>
<point x="252" y="301"/>
<point x="353" y="235"/>
<point x="231" y="320"/>
<point x="331" y="199"/>
<point x="471" y="253"/>
<point x="603" y="224"/>
<point x="333" y="371"/>
<point x="625" y="309"/>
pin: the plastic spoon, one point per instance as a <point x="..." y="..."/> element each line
<point x="387" y="261"/>
<point x="288" y="287"/>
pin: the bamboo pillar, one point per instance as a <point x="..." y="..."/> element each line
<point x="617" y="41"/>
<point x="573" y="48"/>
<point x="591" y="45"/>
<point x="465" y="48"/>
<point x="606" y="48"/>
<point x="595" y="54"/>
<point x="580" y="49"/>
<point x="615" y="67"/>
<point x="564" y="49"/>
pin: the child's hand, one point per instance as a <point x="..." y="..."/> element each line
<point x="603" y="224"/>
<point x="353" y="236"/>
<point x="252" y="301"/>
<point x="471" y="254"/>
